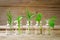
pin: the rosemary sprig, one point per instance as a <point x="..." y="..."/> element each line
<point x="9" y="18"/>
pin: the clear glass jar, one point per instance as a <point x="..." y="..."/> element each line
<point x="28" y="27"/>
<point x="47" y="29"/>
<point x="39" y="26"/>
<point x="16" y="28"/>
<point x="9" y="30"/>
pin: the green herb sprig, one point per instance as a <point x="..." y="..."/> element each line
<point x="9" y="18"/>
<point x="51" y="23"/>
<point x="29" y="16"/>
<point x="19" y="18"/>
<point x="38" y="19"/>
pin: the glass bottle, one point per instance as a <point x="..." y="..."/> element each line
<point x="28" y="26"/>
<point x="47" y="31"/>
<point x="16" y="27"/>
<point x="36" y="27"/>
<point x="9" y="29"/>
<point x="39" y="26"/>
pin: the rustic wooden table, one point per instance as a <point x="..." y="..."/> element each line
<point x="54" y="36"/>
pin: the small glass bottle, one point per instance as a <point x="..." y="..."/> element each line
<point x="15" y="27"/>
<point x="36" y="27"/>
<point x="7" y="28"/>
<point x="39" y="26"/>
<point x="47" y="31"/>
<point x="28" y="26"/>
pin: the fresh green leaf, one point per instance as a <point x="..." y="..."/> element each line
<point x="19" y="18"/>
<point x="38" y="17"/>
<point x="51" y="24"/>
<point x="9" y="17"/>
<point x="29" y="15"/>
<point x="52" y="21"/>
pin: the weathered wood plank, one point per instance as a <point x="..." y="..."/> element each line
<point x="47" y="7"/>
<point x="29" y="2"/>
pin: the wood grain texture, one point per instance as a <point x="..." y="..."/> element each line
<point x="47" y="7"/>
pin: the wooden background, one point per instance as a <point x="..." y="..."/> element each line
<point x="47" y="7"/>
